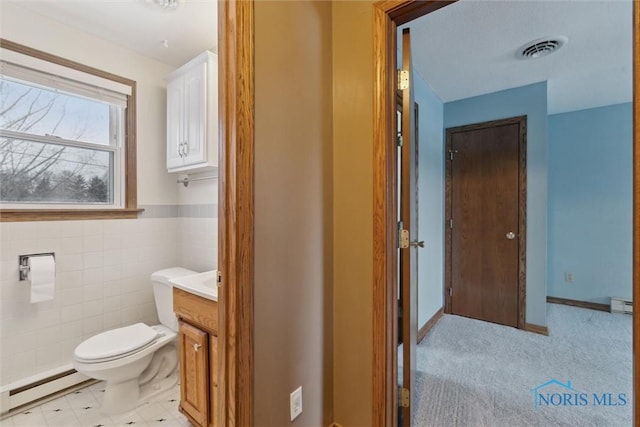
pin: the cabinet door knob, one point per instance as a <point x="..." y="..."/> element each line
<point x="186" y="148"/>
<point x="196" y="347"/>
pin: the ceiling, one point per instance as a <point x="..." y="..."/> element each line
<point x="469" y="48"/>
<point x="139" y="25"/>
<point x="462" y="50"/>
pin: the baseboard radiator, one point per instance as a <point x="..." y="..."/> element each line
<point x="621" y="305"/>
<point x="32" y="389"/>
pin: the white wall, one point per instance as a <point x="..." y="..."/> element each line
<point x="430" y="201"/>
<point x="155" y="186"/>
<point x="103" y="267"/>
<point x="198" y="224"/>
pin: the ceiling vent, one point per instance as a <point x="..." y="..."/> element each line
<point x="541" y="47"/>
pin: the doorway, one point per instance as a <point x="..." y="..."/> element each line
<point x="486" y="200"/>
<point x="386" y="17"/>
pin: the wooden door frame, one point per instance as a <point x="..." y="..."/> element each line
<point x="521" y="121"/>
<point x="235" y="212"/>
<point x="387" y="15"/>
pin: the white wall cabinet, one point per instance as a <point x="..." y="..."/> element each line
<point x="192" y="115"/>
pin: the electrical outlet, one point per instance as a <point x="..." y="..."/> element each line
<point x="568" y="277"/>
<point x="295" y="403"/>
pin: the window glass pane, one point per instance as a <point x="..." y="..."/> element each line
<point x="39" y="111"/>
<point x="35" y="172"/>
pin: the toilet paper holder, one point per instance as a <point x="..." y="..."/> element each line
<point x="24" y="266"/>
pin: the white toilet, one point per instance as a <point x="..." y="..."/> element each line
<point x="136" y="361"/>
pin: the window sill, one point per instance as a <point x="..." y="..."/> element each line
<point x="22" y="215"/>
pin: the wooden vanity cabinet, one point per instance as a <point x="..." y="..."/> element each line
<point x="198" y="348"/>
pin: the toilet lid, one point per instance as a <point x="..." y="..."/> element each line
<point x="116" y="342"/>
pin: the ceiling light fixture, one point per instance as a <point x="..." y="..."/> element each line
<point x="165" y="4"/>
<point x="541" y="47"/>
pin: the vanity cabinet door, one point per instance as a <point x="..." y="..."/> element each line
<point x="194" y="372"/>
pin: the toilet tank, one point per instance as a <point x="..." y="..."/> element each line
<point x="163" y="294"/>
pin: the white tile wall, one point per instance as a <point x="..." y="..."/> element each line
<point x="102" y="282"/>
<point x="198" y="243"/>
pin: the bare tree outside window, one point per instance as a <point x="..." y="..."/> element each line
<point x="54" y="147"/>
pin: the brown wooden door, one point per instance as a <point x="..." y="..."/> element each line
<point x="485" y="206"/>
<point x="194" y="373"/>
<point x="408" y="256"/>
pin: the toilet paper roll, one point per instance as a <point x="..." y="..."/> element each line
<point x="43" y="278"/>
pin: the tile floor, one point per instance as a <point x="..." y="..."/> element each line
<point x="82" y="409"/>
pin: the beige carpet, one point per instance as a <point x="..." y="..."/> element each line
<point x="474" y="373"/>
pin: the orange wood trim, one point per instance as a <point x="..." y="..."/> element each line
<point x="430" y="324"/>
<point x="537" y="329"/>
<point x="213" y="374"/>
<point x="636" y="212"/>
<point x="223" y="117"/>
<point x="386" y="16"/>
<point x="403" y="11"/>
<point x="25" y="50"/>
<point x="130" y="166"/>
<point x="581" y="304"/>
<point x="18" y="215"/>
<point x="131" y="155"/>
<point x="235" y="211"/>
<point x="384" y="232"/>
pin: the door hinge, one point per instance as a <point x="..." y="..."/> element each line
<point x="450" y="292"/>
<point x="399" y="140"/>
<point x="404" y="239"/>
<point x="219" y="280"/>
<point x="403" y="79"/>
<point x="450" y="223"/>
<point x="404" y="397"/>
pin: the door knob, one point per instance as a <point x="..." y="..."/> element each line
<point x="417" y="244"/>
<point x="196" y="347"/>
<point x="511" y="235"/>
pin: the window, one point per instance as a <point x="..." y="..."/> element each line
<point x="58" y="148"/>
<point x="66" y="139"/>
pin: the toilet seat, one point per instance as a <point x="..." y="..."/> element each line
<point x="116" y="343"/>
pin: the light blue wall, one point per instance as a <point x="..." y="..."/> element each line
<point x="531" y="101"/>
<point x="590" y="203"/>
<point x="430" y="201"/>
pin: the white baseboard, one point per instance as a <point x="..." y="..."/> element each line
<point x="37" y="387"/>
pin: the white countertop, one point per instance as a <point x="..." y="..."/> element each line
<point x="201" y="284"/>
